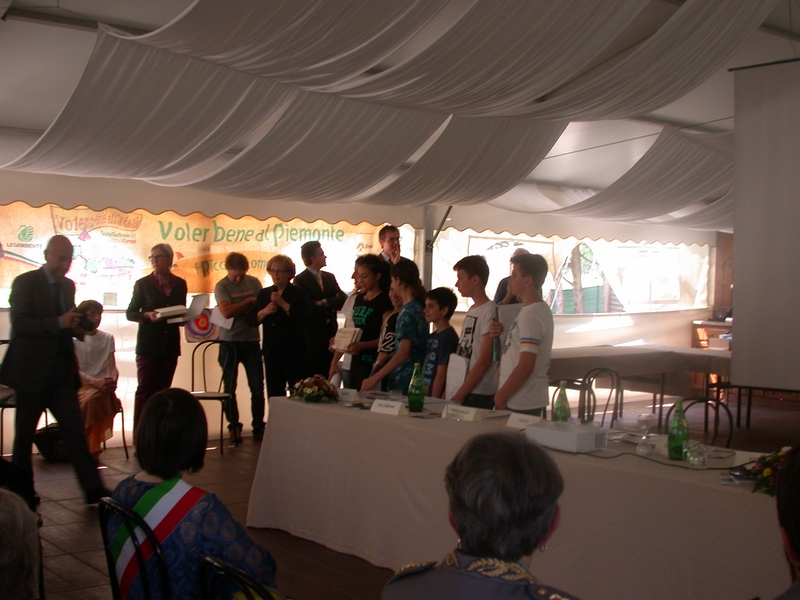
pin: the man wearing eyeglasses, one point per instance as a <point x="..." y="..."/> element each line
<point x="158" y="343"/>
<point x="326" y="298"/>
<point x="389" y="238"/>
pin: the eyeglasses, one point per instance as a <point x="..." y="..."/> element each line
<point x="157" y="257"/>
<point x="393" y="239"/>
<point x="276" y="271"/>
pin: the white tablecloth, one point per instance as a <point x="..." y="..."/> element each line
<point x="372" y="485"/>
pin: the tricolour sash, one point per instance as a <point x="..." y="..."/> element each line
<point x="162" y="508"/>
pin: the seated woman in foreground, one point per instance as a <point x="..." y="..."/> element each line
<point x="171" y="441"/>
<point x="503" y="492"/>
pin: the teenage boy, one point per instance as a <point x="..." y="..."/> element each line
<point x="523" y="379"/>
<point x="475" y="343"/>
<point x="440" y="303"/>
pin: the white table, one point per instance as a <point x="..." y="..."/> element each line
<point x="372" y="485"/>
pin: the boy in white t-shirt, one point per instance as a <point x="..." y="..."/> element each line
<point x="475" y="343"/>
<point x="523" y="383"/>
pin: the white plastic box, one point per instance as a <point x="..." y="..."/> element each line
<point x="569" y="437"/>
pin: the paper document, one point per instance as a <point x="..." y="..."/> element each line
<point x="346" y="336"/>
<point x="218" y="319"/>
<point x="195" y="308"/>
<point x="456" y="373"/>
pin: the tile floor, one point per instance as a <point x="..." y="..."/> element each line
<point x="74" y="562"/>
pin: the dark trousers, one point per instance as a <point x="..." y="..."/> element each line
<point x="479" y="401"/>
<point x="281" y="371"/>
<point x="153" y="374"/>
<point x="61" y="398"/>
<point x="249" y="355"/>
<point x="320" y="359"/>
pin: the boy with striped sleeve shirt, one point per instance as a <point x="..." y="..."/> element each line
<point x="523" y="383"/>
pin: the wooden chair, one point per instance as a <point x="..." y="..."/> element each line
<point x="200" y="378"/>
<point x="213" y="571"/>
<point x="141" y="534"/>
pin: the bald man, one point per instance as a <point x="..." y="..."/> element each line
<point x="40" y="363"/>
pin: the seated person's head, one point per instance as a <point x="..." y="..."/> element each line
<point x="440" y="303"/>
<point x="503" y="491"/>
<point x="172" y="434"/>
<point x="93" y="311"/>
<point x="788" y="497"/>
<point x="19" y="550"/>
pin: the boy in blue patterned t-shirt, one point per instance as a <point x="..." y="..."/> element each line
<point x="440" y="303"/>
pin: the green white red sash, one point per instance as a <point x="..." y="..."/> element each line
<point x="162" y="508"/>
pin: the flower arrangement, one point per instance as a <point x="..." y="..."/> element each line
<point x="315" y="389"/>
<point x="766" y="470"/>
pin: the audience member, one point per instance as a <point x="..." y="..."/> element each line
<point x="440" y="303"/>
<point x="236" y="295"/>
<point x="502" y="295"/>
<point x="40" y="363"/>
<point x="158" y="343"/>
<point x="411" y="330"/>
<point x="190" y="523"/>
<point x="386" y="340"/>
<point x="98" y="372"/>
<point x="523" y="367"/>
<point x="19" y="552"/>
<point x="503" y="495"/>
<point x="326" y="298"/>
<point x="283" y="310"/>
<point x="788" y="502"/>
<point x="475" y="343"/>
<point x="370" y="305"/>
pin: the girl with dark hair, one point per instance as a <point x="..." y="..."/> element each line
<point x="411" y="330"/>
<point x="190" y="523"/>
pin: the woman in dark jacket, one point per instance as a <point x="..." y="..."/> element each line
<point x="284" y="312"/>
<point x="158" y="344"/>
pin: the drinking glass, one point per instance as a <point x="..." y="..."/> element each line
<point x="644" y="422"/>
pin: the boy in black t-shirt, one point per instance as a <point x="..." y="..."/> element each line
<point x="439" y="306"/>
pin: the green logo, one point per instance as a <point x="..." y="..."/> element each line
<point x="25" y="233"/>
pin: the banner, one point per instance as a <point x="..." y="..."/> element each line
<point x="112" y="247"/>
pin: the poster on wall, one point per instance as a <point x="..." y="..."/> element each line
<point x="112" y="246"/>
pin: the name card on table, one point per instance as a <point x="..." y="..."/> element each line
<point x="457" y="412"/>
<point x="521" y="421"/>
<point x="389" y="407"/>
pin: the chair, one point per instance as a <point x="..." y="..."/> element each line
<point x="203" y="392"/>
<point x="708" y="402"/>
<point x="214" y="570"/>
<point x="590" y="383"/>
<point x="121" y="411"/>
<point x="144" y="544"/>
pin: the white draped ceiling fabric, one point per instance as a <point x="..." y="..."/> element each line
<point x="290" y="100"/>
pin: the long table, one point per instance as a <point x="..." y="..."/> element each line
<point x="372" y="485"/>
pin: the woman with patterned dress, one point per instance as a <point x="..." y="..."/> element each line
<point x="190" y="523"/>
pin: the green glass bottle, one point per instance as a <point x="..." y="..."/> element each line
<point x="416" y="394"/>
<point x="677" y="432"/>
<point x="561" y="409"/>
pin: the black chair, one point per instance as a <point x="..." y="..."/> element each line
<point x="708" y="403"/>
<point x="587" y="404"/>
<point x="140" y="533"/>
<point x="121" y="412"/>
<point x="611" y="377"/>
<point x="213" y="571"/>
<point x="200" y="375"/>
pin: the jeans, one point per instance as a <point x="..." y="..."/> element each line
<point x="249" y="355"/>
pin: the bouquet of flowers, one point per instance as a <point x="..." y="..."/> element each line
<point x="315" y="389"/>
<point x="766" y="470"/>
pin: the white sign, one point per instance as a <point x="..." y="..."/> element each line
<point x="389" y="407"/>
<point x="521" y="421"/>
<point x="461" y="413"/>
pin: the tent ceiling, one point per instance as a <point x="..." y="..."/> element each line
<point x="335" y="102"/>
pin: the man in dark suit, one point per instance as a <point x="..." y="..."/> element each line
<point x="326" y="298"/>
<point x="389" y="238"/>
<point x="40" y="363"/>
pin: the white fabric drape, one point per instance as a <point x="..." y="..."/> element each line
<point x="717" y="216"/>
<point x="527" y="197"/>
<point x="501" y="55"/>
<point x="675" y="172"/>
<point x="473" y="161"/>
<point x="308" y="43"/>
<point x="324" y="149"/>
<point x="142" y="112"/>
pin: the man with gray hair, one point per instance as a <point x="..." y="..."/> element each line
<point x="19" y="552"/>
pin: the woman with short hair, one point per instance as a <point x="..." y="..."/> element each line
<point x="190" y="523"/>
<point x="503" y="491"/>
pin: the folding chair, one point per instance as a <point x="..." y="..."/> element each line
<point x="141" y="534"/>
<point x="213" y="571"/>
<point x="200" y="375"/>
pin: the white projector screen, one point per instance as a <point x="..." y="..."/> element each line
<point x="766" y="240"/>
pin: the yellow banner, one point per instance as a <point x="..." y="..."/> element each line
<point x="112" y="247"/>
